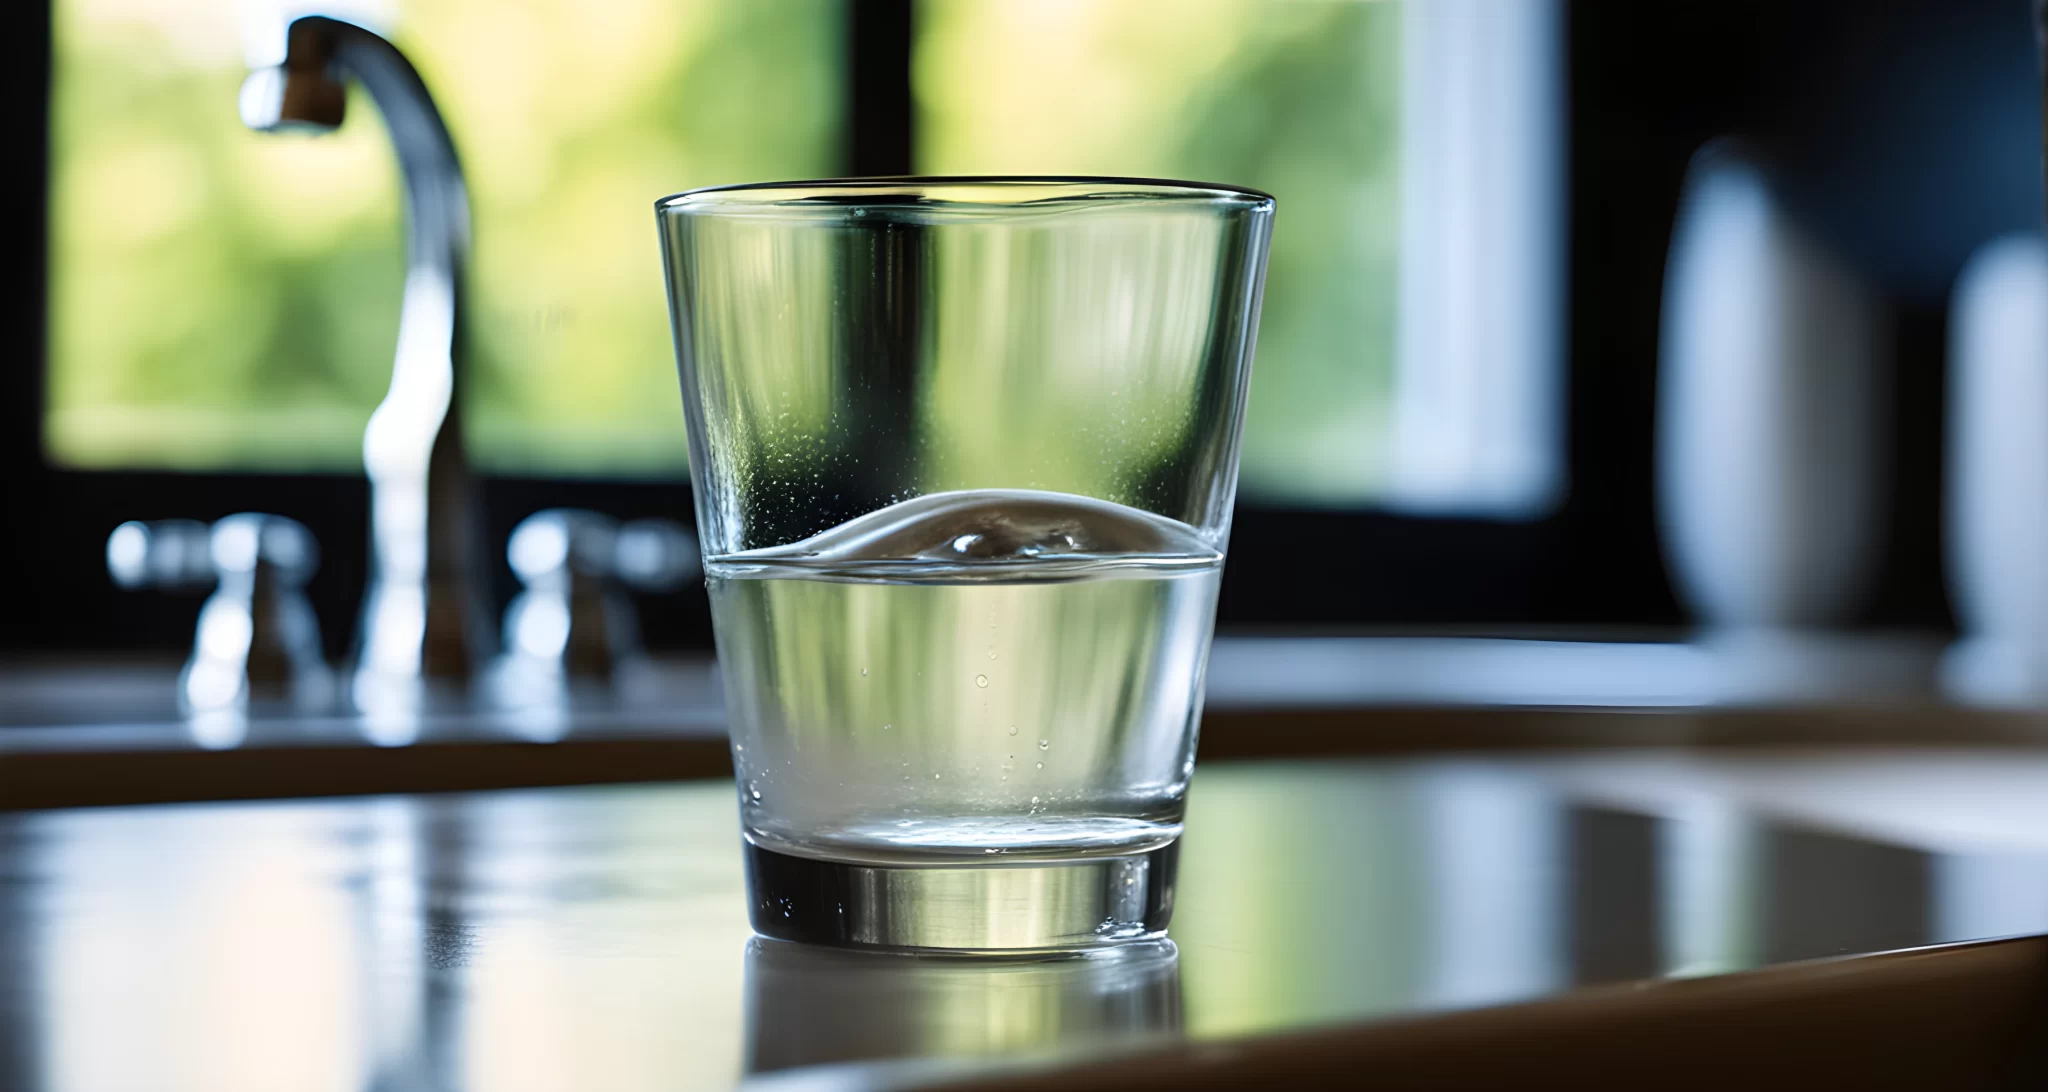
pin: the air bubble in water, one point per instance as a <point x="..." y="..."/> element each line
<point x="981" y="680"/>
<point x="753" y="793"/>
<point x="1044" y="744"/>
<point x="1013" y="729"/>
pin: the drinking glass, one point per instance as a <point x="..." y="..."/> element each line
<point x="964" y="451"/>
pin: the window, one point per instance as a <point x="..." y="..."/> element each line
<point x="1409" y="353"/>
<point x="221" y="304"/>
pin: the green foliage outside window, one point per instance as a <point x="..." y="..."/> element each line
<point x="221" y="298"/>
<point x="1299" y="98"/>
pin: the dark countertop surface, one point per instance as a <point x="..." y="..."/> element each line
<point x="595" y="937"/>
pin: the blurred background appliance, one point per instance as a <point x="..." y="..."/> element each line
<point x="1997" y="519"/>
<point x="1770" y="450"/>
<point x="1772" y="443"/>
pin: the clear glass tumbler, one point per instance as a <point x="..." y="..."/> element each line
<point x="964" y="452"/>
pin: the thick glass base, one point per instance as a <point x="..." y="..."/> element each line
<point x="1035" y="906"/>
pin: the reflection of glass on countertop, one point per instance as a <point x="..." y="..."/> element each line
<point x="809" y="1005"/>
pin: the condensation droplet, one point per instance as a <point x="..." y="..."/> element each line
<point x="935" y="777"/>
<point x="1045" y="745"/>
<point x="886" y="727"/>
<point x="1040" y="765"/>
<point x="863" y="672"/>
<point x="981" y="680"/>
<point x="991" y="654"/>
<point x="753" y="792"/>
<point x="1013" y="729"/>
<point x="1034" y="800"/>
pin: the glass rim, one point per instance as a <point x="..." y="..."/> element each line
<point x="956" y="194"/>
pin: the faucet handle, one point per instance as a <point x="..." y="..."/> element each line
<point x="651" y="555"/>
<point x="257" y="636"/>
<point x="247" y="544"/>
<point x="656" y="555"/>
<point x="570" y="622"/>
<point x="170" y="554"/>
<point x="556" y="545"/>
<point x="573" y="621"/>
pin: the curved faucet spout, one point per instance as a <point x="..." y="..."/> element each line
<point x="423" y="615"/>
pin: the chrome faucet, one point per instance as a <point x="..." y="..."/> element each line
<point x="423" y="624"/>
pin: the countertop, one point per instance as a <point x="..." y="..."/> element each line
<point x="595" y="937"/>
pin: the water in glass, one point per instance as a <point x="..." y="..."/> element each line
<point x="968" y="675"/>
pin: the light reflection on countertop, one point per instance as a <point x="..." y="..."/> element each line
<point x="596" y="937"/>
